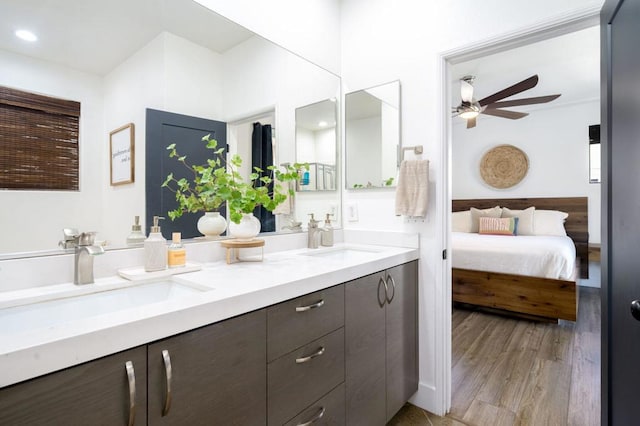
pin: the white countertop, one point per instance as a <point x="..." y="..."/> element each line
<point x="237" y="289"/>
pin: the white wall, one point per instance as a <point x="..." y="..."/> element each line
<point x="383" y="41"/>
<point x="309" y="28"/>
<point x="43" y="214"/>
<point x="360" y="134"/>
<point x="556" y="141"/>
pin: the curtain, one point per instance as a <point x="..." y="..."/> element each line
<point x="262" y="156"/>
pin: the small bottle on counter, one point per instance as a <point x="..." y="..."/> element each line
<point x="155" y="249"/>
<point x="177" y="254"/>
<point x="136" y="237"/>
<point x="326" y="238"/>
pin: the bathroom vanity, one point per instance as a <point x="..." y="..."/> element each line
<point x="323" y="336"/>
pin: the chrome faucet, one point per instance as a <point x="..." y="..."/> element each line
<point x="85" y="250"/>
<point x="314" y="233"/>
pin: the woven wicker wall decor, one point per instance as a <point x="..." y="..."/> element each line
<point x="503" y="166"/>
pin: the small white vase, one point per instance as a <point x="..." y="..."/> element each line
<point x="212" y="224"/>
<point x="247" y="229"/>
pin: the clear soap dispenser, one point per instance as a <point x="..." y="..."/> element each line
<point x="136" y="237"/>
<point x="155" y="249"/>
<point x="326" y="238"/>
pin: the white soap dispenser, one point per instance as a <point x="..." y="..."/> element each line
<point x="326" y="238"/>
<point x="155" y="249"/>
<point x="136" y="237"/>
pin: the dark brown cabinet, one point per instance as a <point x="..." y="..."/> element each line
<point x="214" y="375"/>
<point x="107" y="391"/>
<point x="381" y="344"/>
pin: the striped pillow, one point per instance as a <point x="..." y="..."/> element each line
<point x="499" y="226"/>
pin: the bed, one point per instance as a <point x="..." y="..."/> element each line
<point x="541" y="288"/>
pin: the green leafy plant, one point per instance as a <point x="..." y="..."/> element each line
<point x="219" y="181"/>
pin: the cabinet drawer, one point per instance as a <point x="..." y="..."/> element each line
<point x="298" y="321"/>
<point x="329" y="411"/>
<point x="297" y="379"/>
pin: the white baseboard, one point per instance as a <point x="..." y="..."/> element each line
<point x="427" y="399"/>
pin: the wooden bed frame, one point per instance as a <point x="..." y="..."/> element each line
<point x="531" y="297"/>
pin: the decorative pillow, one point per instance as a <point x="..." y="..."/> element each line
<point x="525" y="219"/>
<point x="477" y="213"/>
<point x="461" y="221"/>
<point x="549" y="222"/>
<point x="499" y="225"/>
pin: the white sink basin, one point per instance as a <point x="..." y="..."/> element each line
<point x="72" y="308"/>
<point x="345" y="252"/>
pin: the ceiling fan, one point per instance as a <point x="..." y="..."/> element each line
<point x="470" y="108"/>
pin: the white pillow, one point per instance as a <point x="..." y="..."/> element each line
<point x="461" y="221"/>
<point x="549" y="222"/>
<point x="476" y="214"/>
<point x="525" y="219"/>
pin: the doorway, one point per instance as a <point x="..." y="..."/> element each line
<point x="491" y="403"/>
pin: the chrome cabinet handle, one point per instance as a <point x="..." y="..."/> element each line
<point x="309" y="307"/>
<point x="382" y="282"/>
<point x="314" y="418"/>
<point x="168" y="374"/>
<point x="393" y="285"/>
<point x="131" y="375"/>
<point x="310" y="357"/>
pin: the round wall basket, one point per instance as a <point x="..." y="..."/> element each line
<point x="504" y="166"/>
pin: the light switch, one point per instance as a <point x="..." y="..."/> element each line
<point x="352" y="212"/>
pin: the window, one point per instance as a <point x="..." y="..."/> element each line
<point x="38" y="141"/>
<point x="594" y="154"/>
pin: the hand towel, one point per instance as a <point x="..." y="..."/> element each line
<point x="287" y="206"/>
<point x="412" y="189"/>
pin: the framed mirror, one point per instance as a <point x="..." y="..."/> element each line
<point x="372" y="136"/>
<point x="120" y="58"/>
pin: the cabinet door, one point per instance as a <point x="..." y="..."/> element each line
<point x="218" y="375"/>
<point x="365" y="351"/>
<point x="402" y="336"/>
<point x="94" y="393"/>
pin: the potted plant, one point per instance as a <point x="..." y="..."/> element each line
<point x="218" y="181"/>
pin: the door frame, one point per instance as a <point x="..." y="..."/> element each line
<point x="555" y="26"/>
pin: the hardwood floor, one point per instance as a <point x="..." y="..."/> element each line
<point x="516" y="372"/>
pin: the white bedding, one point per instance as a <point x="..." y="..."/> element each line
<point x="539" y="256"/>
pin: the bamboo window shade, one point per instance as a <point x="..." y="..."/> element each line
<point x="38" y="141"/>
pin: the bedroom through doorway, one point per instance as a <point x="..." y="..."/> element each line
<point x="523" y="161"/>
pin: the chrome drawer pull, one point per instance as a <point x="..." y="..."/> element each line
<point x="315" y="418"/>
<point x="168" y="374"/>
<point x="310" y="357"/>
<point x="393" y="284"/>
<point x="382" y="282"/>
<point x="309" y="307"/>
<point x="131" y="375"/>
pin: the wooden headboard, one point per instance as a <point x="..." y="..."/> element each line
<point x="577" y="224"/>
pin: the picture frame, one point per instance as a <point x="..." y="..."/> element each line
<point x="122" y="155"/>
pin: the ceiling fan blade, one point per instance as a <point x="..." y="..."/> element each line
<point x="466" y="91"/>
<point x="513" y="115"/>
<point x="471" y="122"/>
<point x="526" y="84"/>
<point x="525" y="101"/>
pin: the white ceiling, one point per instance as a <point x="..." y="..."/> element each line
<point x="97" y="35"/>
<point x="567" y="64"/>
<point x="310" y="116"/>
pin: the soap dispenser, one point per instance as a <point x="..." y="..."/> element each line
<point x="326" y="238"/>
<point x="136" y="237"/>
<point x="155" y="249"/>
<point x="313" y="231"/>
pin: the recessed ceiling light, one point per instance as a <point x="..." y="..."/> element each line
<point x="26" y="35"/>
<point x="323" y="124"/>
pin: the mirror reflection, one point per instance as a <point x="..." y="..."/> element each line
<point x="372" y="136"/>
<point x="120" y="58"/>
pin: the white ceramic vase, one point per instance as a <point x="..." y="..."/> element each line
<point x="211" y="224"/>
<point x="247" y="229"/>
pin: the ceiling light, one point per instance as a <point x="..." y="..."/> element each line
<point x="26" y="35"/>
<point x="323" y="124"/>
<point x="470" y="114"/>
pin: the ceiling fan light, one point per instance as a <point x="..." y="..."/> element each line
<point x="470" y="114"/>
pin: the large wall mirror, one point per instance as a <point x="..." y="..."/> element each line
<point x="372" y="136"/>
<point x="119" y="58"/>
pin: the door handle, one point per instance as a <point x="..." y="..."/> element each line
<point x="635" y="309"/>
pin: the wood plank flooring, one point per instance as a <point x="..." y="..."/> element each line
<point x="508" y="371"/>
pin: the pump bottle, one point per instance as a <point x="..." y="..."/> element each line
<point x="155" y="249"/>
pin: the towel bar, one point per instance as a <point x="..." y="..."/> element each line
<point x="417" y="150"/>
